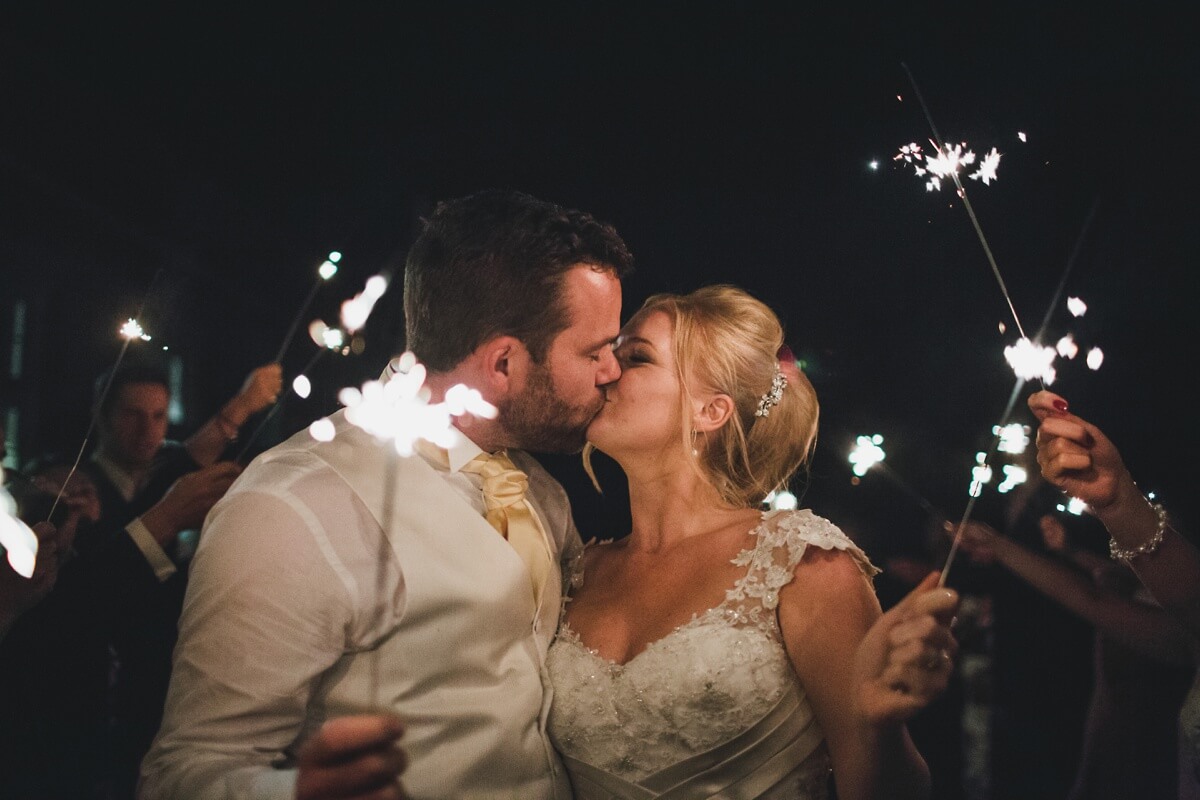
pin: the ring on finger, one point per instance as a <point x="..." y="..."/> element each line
<point x="936" y="660"/>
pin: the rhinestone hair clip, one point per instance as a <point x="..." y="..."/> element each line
<point x="772" y="397"/>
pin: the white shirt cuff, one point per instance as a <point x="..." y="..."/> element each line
<point x="157" y="558"/>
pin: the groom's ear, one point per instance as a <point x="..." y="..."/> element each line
<point x="503" y="363"/>
<point x="712" y="413"/>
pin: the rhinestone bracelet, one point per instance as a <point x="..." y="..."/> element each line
<point x="1145" y="548"/>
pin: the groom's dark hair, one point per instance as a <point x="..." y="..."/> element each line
<point x="492" y="264"/>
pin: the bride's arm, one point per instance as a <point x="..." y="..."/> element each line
<point x="867" y="672"/>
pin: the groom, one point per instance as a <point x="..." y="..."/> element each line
<point x="283" y="628"/>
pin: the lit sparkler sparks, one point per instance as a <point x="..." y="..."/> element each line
<point x="866" y="453"/>
<point x="948" y="162"/>
<point x="327" y="269"/>
<point x="17" y="539"/>
<point x="1030" y="360"/>
<point x="782" y="499"/>
<point x="398" y="411"/>
<point x="130" y="330"/>
<point x="354" y="315"/>
<point x="356" y="310"/>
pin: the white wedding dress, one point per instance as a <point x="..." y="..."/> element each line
<point x="713" y="709"/>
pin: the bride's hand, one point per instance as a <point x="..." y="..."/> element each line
<point x="905" y="660"/>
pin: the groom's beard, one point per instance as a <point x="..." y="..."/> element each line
<point x="540" y="420"/>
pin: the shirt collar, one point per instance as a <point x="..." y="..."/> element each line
<point x="125" y="482"/>
<point x="453" y="458"/>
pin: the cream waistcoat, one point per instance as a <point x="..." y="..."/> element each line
<point x="464" y="663"/>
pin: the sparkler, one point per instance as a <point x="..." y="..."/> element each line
<point x="325" y="271"/>
<point x="398" y="413"/>
<point x="868" y="454"/>
<point x="16" y="538"/>
<point x="129" y="331"/>
<point x="1026" y="353"/>
<point x="354" y="315"/>
<point x="947" y="164"/>
<point x="1076" y="307"/>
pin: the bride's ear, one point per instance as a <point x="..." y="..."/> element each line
<point x="712" y="413"/>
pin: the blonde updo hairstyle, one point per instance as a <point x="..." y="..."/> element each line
<point x="727" y="341"/>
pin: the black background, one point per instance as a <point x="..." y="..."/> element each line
<point x="197" y="162"/>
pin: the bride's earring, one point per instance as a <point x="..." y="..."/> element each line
<point x="695" y="452"/>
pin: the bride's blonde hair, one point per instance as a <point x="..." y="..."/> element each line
<point x="729" y="342"/>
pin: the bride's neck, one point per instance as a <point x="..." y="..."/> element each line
<point x="673" y="507"/>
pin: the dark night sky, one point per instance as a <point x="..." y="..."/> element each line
<point x="226" y="150"/>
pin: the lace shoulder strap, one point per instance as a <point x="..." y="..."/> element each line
<point x="783" y="539"/>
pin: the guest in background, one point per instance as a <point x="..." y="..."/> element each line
<point x="1079" y="459"/>
<point x="1142" y="660"/>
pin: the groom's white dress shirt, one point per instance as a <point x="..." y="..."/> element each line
<point x="286" y="624"/>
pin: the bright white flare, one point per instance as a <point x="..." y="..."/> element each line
<point x="1066" y="347"/>
<point x="1014" y="476"/>
<point x="1076" y="306"/>
<point x="1095" y="358"/>
<point x="356" y="310"/>
<point x="866" y="453"/>
<point x="132" y="330"/>
<point x="399" y="410"/>
<point x="1073" y="506"/>
<point x="328" y="267"/>
<point x="987" y="168"/>
<point x="981" y="473"/>
<point x="325" y="336"/>
<point x="302" y="386"/>
<point x="1029" y="360"/>
<point x="783" y="499"/>
<point x="322" y="430"/>
<point x="948" y="161"/>
<point x="1014" y="438"/>
<point x="18" y="539"/>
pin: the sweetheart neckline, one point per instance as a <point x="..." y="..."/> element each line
<point x="618" y="666"/>
<point x="756" y="532"/>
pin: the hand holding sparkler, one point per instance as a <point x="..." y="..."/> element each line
<point x="1077" y="457"/>
<point x="189" y="500"/>
<point x="22" y="582"/>
<point x="905" y="660"/>
<point x="129" y="331"/>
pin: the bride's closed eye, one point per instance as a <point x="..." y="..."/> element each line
<point x="632" y="356"/>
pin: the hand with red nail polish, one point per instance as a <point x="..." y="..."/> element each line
<point x="1077" y="457"/>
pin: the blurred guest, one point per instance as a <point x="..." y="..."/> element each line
<point x="134" y="463"/>
<point x="152" y="489"/>
<point x="54" y="664"/>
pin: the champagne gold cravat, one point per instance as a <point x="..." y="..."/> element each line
<point x="508" y="511"/>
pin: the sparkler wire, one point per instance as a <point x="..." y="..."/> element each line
<point x="287" y="339"/>
<point x="962" y="192"/>
<point x="1012" y="400"/>
<point x="103" y="396"/>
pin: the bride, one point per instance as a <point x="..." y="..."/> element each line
<point x="719" y="650"/>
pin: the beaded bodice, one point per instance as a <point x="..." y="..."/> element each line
<point x="705" y="682"/>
